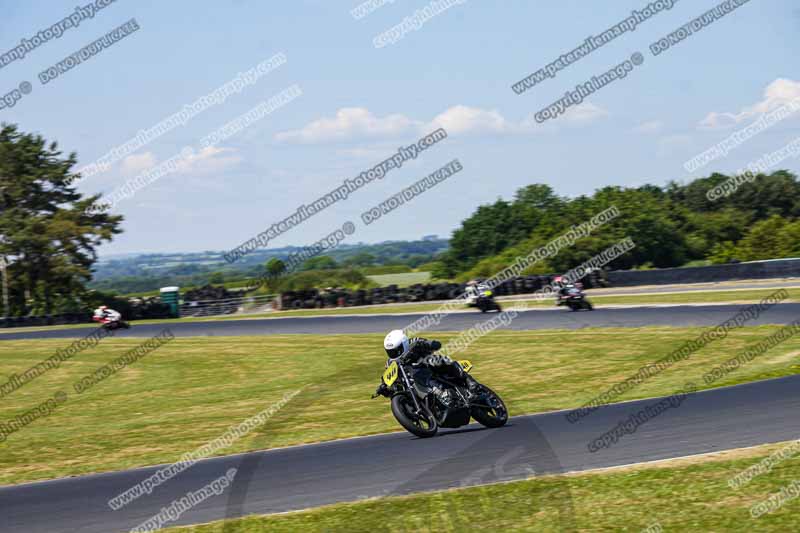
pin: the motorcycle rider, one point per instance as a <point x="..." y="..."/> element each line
<point x="105" y="315"/>
<point x="475" y="290"/>
<point x="563" y="287"/>
<point x="471" y="292"/>
<point x="559" y="285"/>
<point x="420" y="352"/>
<point x="482" y="288"/>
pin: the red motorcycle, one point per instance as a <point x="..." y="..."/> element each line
<point x="109" y="324"/>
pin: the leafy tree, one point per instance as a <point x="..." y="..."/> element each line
<point x="361" y="259"/>
<point x="48" y="231"/>
<point x="321" y="262"/>
<point x="275" y="267"/>
<point x="775" y="237"/>
<point x="310" y="279"/>
<point x="671" y="226"/>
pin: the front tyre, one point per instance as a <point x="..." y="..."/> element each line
<point x="492" y="415"/>
<point x="422" y="425"/>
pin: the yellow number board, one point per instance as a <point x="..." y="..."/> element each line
<point x="390" y="375"/>
<point x="466" y="365"/>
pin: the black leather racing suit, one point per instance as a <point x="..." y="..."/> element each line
<point x="564" y="292"/>
<point x="421" y="352"/>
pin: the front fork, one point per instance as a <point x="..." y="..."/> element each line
<point x="410" y="389"/>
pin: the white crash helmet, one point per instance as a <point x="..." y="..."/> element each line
<point x="395" y="343"/>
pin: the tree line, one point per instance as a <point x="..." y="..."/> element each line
<point x="672" y="226"/>
<point x="50" y="233"/>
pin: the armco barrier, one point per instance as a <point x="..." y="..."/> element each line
<point x="226" y="306"/>
<point x="775" y="268"/>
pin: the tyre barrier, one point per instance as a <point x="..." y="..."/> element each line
<point x="337" y="297"/>
<point x="207" y="292"/>
<point x="134" y="310"/>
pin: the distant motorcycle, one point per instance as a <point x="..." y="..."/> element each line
<point x="485" y="302"/>
<point x="575" y="300"/>
<point x="423" y="401"/>
<point x="111" y="325"/>
<point x="483" y="299"/>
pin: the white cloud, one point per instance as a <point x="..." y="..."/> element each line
<point x="585" y="113"/>
<point x="651" y="126"/>
<point x="349" y="123"/>
<point x="778" y="93"/>
<point x="209" y="160"/>
<point x="134" y="164"/>
<point x="357" y="122"/>
<point x="464" y="119"/>
<point x="579" y="115"/>
<point x="367" y="152"/>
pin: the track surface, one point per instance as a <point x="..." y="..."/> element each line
<point x="682" y="315"/>
<point x="307" y="476"/>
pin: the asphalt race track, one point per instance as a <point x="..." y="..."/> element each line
<point x="308" y="476"/>
<point x="398" y="463"/>
<point x="640" y="316"/>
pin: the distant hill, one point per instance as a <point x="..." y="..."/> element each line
<point x="134" y="273"/>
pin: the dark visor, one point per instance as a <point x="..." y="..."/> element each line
<point x="394" y="352"/>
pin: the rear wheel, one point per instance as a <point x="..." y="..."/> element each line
<point x="492" y="415"/>
<point x="422" y="425"/>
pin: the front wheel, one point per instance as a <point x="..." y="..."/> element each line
<point x="422" y="425"/>
<point x="493" y="414"/>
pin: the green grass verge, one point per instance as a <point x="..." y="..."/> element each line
<point x="682" y="495"/>
<point x="191" y="390"/>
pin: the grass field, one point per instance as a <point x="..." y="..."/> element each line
<point x="191" y="390"/>
<point x="404" y="279"/>
<point x="688" y="494"/>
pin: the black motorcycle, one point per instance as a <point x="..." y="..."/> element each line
<point x="575" y="300"/>
<point x="487" y="303"/>
<point x="423" y="401"/>
<point x="484" y="300"/>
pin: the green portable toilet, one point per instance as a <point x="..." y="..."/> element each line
<point x="171" y="296"/>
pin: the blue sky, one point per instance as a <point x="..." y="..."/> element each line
<point x="360" y="103"/>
